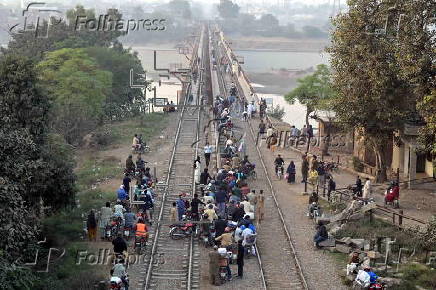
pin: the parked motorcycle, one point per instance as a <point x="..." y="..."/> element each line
<point x="316" y="211"/>
<point x="180" y="231"/>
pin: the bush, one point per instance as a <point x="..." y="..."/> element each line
<point x="419" y="274"/>
<point x="358" y="165"/>
<point x="276" y="112"/>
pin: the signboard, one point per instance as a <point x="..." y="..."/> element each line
<point x="160" y="101"/>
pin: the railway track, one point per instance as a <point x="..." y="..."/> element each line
<point x="277" y="257"/>
<point x="173" y="264"/>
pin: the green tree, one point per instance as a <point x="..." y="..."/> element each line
<point x="119" y="103"/>
<point x="64" y="34"/>
<point x="228" y="9"/>
<point x="276" y="112"/>
<point x="416" y="55"/>
<point x="181" y="8"/>
<point x="79" y="89"/>
<point x="371" y="96"/>
<point x="316" y="93"/>
<point x="21" y="104"/>
<point x="32" y="163"/>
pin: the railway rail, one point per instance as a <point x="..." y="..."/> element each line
<point x="172" y="264"/>
<point x="278" y="269"/>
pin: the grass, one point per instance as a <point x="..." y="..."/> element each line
<point x="96" y="169"/>
<point x="148" y="126"/>
<point x="416" y="274"/>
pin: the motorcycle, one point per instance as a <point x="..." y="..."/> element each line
<point x="208" y="237"/>
<point x="222" y="271"/>
<point x="279" y="171"/>
<point x="377" y="286"/>
<point x="112" y="228"/>
<point x="179" y="231"/>
<point x="372" y="286"/>
<point x="316" y="211"/>
<point x="140" y="244"/>
<point x="140" y="149"/>
<point x="117" y="283"/>
<point x="249" y="248"/>
<point x="127" y="232"/>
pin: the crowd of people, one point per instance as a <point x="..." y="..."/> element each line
<point x="117" y="222"/>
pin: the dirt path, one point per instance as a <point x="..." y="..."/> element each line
<point x="158" y="158"/>
<point x="319" y="268"/>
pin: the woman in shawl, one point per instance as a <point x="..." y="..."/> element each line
<point x="291" y="172"/>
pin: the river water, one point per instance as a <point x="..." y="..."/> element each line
<point x="255" y="61"/>
<point x="266" y="61"/>
<point x="166" y="57"/>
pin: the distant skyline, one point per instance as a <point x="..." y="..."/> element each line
<point x="310" y="2"/>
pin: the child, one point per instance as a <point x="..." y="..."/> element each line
<point x="173" y="213"/>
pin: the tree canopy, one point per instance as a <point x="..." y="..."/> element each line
<point x="228" y="9"/>
<point x="314" y="91"/>
<point x="374" y="92"/>
<point x="79" y="89"/>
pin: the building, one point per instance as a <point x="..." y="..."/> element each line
<point x="411" y="165"/>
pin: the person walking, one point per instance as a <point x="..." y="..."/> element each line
<point x="205" y="177"/>
<point x="313" y="178"/>
<point x="180" y="207"/>
<point x="126" y="183"/>
<point x="304" y="168"/>
<point x="197" y="168"/>
<point x="91" y="225"/>
<point x="260" y="206"/>
<point x="207" y="153"/>
<point x="105" y="216"/>
<point x="262" y="128"/>
<point x="314" y="164"/>
<point x="173" y="212"/>
<point x="367" y="189"/>
<point x="331" y="186"/>
<point x="291" y="172"/>
<point x="250" y="110"/>
<point x="240" y="259"/>
<point x="359" y="186"/>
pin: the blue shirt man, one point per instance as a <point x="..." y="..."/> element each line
<point x="180" y="207"/>
<point x="121" y="193"/>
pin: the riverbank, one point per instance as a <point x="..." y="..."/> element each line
<point x="278" y="44"/>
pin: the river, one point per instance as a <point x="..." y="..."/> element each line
<point x="166" y="57"/>
<point x="266" y="61"/>
<point x="255" y="61"/>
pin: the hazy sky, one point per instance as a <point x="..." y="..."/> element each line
<point x="205" y="1"/>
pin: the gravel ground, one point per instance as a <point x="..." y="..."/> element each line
<point x="319" y="268"/>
